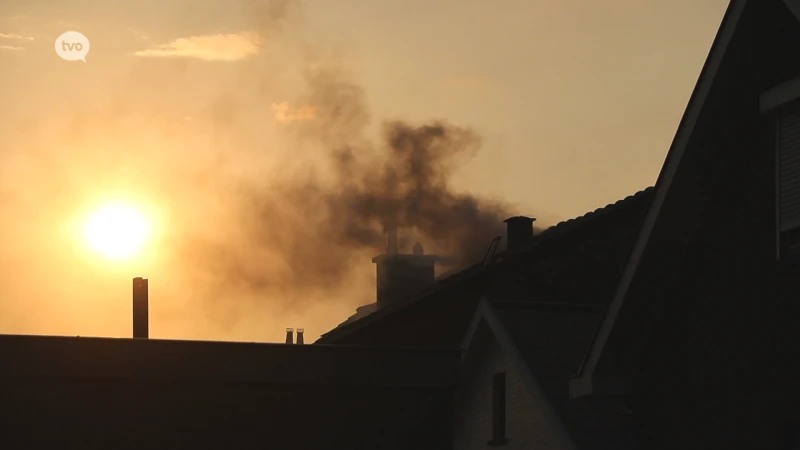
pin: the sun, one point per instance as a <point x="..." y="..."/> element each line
<point x="117" y="231"/>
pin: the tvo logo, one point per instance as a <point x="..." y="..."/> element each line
<point x="72" y="46"/>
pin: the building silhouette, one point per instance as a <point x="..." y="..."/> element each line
<point x="665" y="320"/>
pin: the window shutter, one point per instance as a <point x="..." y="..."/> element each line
<point x="789" y="170"/>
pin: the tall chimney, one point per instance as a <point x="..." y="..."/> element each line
<point x="289" y="336"/>
<point x="401" y="275"/>
<point x="300" y="336"/>
<point x="140" y="308"/>
<point x="519" y="231"/>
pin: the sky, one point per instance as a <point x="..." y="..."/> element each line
<point x="263" y="140"/>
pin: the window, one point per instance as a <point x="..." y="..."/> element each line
<point x="788" y="185"/>
<point x="498" y="409"/>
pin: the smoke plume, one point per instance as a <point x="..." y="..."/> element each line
<point x="322" y="229"/>
<point x="269" y="178"/>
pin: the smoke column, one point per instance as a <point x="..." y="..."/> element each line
<point x="273" y="180"/>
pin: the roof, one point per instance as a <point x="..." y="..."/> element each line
<point x="585" y="383"/>
<point x="26" y="356"/>
<point x="532" y="337"/>
<point x="584" y="245"/>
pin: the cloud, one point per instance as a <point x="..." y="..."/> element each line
<point x="215" y="47"/>
<point x="10" y="47"/>
<point x="15" y="36"/>
<point x="285" y="113"/>
<point x="465" y="82"/>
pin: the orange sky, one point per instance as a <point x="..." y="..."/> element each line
<point x="182" y="105"/>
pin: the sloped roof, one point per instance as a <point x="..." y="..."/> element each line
<point x="606" y="233"/>
<point x="776" y="28"/>
<point x="545" y="343"/>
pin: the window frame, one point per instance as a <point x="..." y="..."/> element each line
<point x="782" y="251"/>
<point x="773" y="103"/>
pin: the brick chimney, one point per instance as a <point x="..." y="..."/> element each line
<point x="300" y="336"/>
<point x="519" y="232"/>
<point x="141" y="325"/>
<point x="401" y="275"/>
<point x="290" y="336"/>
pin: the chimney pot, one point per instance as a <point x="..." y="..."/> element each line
<point x="418" y="249"/>
<point x="300" y="336"/>
<point x="519" y="231"/>
<point x="289" y="336"/>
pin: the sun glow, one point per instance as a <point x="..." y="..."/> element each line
<point x="117" y="231"/>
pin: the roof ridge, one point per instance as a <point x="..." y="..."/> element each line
<point x="544" y="236"/>
<point x="593" y="214"/>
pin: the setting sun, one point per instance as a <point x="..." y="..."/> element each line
<point x="117" y="231"/>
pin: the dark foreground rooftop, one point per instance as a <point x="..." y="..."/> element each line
<point x="26" y="356"/>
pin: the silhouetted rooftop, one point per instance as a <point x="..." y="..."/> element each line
<point x="590" y="248"/>
<point x="29" y="356"/>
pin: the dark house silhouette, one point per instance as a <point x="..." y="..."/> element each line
<point x="577" y="261"/>
<point x="702" y="333"/>
<point x="97" y="393"/>
<point x="666" y="320"/>
<point x="541" y="301"/>
<point x="525" y="317"/>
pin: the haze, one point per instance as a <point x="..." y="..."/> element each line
<point x="265" y="139"/>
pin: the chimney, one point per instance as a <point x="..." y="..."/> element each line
<point x="289" y="336"/>
<point x="140" y="308"/>
<point x="401" y="275"/>
<point x="300" y="336"/>
<point x="519" y="231"/>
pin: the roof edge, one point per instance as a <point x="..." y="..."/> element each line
<point x="581" y="384"/>
<point x="546" y="235"/>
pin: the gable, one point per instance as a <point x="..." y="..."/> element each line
<point x="794" y="7"/>
<point x="543" y="344"/>
<point x="530" y="419"/>
<point x="714" y="164"/>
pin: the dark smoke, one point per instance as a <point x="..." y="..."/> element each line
<point x="316" y="231"/>
<point x="410" y="186"/>
<point x="321" y="231"/>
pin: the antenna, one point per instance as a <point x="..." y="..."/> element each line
<point x="492" y="250"/>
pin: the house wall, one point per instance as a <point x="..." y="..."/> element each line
<point x="717" y="337"/>
<point x="63" y="414"/>
<point x="526" y="425"/>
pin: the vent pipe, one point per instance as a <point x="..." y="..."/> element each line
<point x="290" y="336"/>
<point x="141" y="328"/>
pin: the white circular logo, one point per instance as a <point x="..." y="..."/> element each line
<point x="72" y="46"/>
